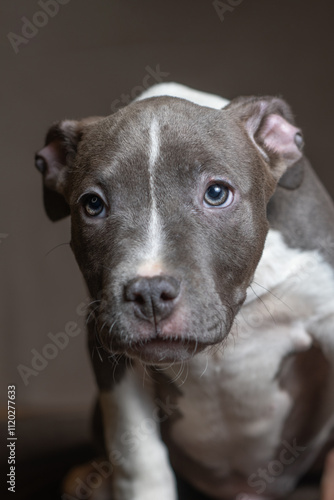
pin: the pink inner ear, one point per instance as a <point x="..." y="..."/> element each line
<point x="276" y="134"/>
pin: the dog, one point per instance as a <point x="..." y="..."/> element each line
<point x="207" y="245"/>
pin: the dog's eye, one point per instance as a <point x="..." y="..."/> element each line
<point x="218" y="195"/>
<point x="93" y="205"/>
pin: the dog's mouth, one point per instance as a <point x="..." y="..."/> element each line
<point x="164" y="349"/>
<point x="174" y="339"/>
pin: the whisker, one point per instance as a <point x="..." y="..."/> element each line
<point x="116" y="360"/>
<point x="93" y="302"/>
<point x="112" y="326"/>
<point x="206" y="367"/>
<point x="149" y="373"/>
<point x="259" y="298"/>
<point x="175" y="379"/>
<point x="93" y="309"/>
<point x="165" y="368"/>
<point x="186" y="365"/>
<point x="102" y="327"/>
<point x="196" y="345"/>
<point x="271" y="293"/>
<point x="99" y="354"/>
<point x="57" y="246"/>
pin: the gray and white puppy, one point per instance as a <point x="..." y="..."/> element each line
<point x="207" y="245"/>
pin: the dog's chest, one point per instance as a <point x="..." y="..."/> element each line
<point x="233" y="408"/>
<point x="233" y="405"/>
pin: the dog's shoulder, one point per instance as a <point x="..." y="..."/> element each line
<point x="305" y="215"/>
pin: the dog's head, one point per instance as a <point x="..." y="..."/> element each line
<point x="168" y="204"/>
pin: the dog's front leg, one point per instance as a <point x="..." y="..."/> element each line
<point x="139" y="458"/>
<point x="142" y="470"/>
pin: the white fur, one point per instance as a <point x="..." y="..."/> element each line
<point x="154" y="145"/>
<point x="177" y="90"/>
<point x="150" y="262"/>
<point x="154" y="228"/>
<point x="131" y="429"/>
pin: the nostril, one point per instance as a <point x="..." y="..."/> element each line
<point x="137" y="290"/>
<point x="138" y="298"/>
<point x="152" y="297"/>
<point x="166" y="296"/>
<point x="168" y="288"/>
<point x="169" y="293"/>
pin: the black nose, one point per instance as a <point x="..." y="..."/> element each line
<point x="153" y="298"/>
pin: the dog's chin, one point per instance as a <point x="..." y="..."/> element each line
<point x="159" y="351"/>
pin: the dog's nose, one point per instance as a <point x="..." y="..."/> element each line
<point x="154" y="298"/>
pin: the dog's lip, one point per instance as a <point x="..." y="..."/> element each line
<point x="164" y="349"/>
<point x="162" y="342"/>
<point x="162" y="338"/>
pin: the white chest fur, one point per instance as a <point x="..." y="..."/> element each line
<point x="234" y="409"/>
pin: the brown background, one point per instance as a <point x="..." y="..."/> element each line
<point x="87" y="56"/>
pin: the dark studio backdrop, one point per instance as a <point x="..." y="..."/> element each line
<point x="75" y="58"/>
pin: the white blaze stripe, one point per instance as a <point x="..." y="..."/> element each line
<point x="154" y="227"/>
<point x="154" y="144"/>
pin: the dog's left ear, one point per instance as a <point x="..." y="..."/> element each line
<point x="269" y="123"/>
<point x="54" y="161"/>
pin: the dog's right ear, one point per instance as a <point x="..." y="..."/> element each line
<point x="54" y="162"/>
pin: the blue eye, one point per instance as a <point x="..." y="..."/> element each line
<point x="93" y="205"/>
<point x="218" y="195"/>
